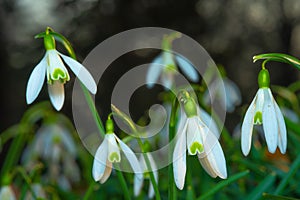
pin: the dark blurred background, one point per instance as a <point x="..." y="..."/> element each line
<point x="231" y="31"/>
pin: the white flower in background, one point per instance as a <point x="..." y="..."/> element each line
<point x="56" y="147"/>
<point x="198" y="134"/>
<point x="230" y="91"/>
<point x="57" y="74"/>
<point x="288" y="113"/>
<point x="108" y="153"/>
<point x="38" y="192"/>
<point x="6" y="193"/>
<point x="138" y="182"/>
<point x="264" y="110"/>
<point x="165" y="66"/>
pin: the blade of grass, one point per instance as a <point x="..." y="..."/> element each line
<point x="223" y="184"/>
<point x="262" y="187"/>
<point x="295" y="166"/>
<point x="277" y="197"/>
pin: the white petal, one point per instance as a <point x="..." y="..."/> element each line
<point x="57" y="94"/>
<point x="6" y="193"/>
<point x="137" y="185"/>
<point x="82" y="73"/>
<point x="107" y="172"/>
<point x="187" y="68"/>
<point x="113" y="148"/>
<point x="133" y="161"/>
<point x="193" y="134"/>
<point x="179" y="158"/>
<point x="100" y="158"/>
<point x="36" y="80"/>
<point x="154" y="71"/>
<point x="270" y="124"/>
<point x="247" y="127"/>
<point x="208" y="121"/>
<point x="282" y="139"/>
<point x="54" y="63"/>
<point x="233" y="94"/>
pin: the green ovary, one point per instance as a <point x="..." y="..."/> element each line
<point x="196" y="147"/>
<point x="258" y="118"/>
<point x="114" y="157"/>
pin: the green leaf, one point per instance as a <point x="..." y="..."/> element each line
<point x="262" y="187"/>
<point x="223" y="184"/>
<point x="276" y="197"/>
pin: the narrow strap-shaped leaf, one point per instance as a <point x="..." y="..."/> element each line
<point x="262" y="187"/>
<point x="276" y="197"/>
<point x="223" y="184"/>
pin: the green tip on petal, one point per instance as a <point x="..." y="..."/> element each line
<point x="258" y="118"/>
<point x="114" y="157"/>
<point x="196" y="147"/>
<point x="263" y="78"/>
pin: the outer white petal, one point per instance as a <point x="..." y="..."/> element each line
<point x="187" y="68"/>
<point x="57" y="94"/>
<point x="82" y="73"/>
<point x="282" y="139"/>
<point x="247" y="127"/>
<point x="133" y="161"/>
<point x="208" y="121"/>
<point x="154" y="71"/>
<point x="233" y="94"/>
<point x="214" y="162"/>
<point x="36" y="80"/>
<point x="179" y="158"/>
<point x="6" y="193"/>
<point x="270" y="123"/>
<point x="100" y="159"/>
<point x="107" y="172"/>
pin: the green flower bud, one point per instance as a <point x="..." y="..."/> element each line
<point x="263" y="78"/>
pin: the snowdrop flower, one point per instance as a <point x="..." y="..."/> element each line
<point x="138" y="183"/>
<point x="165" y="65"/>
<point x="109" y="152"/>
<point x="198" y="134"/>
<point x="56" y="147"/>
<point x="52" y="67"/>
<point x="231" y="93"/>
<point x="264" y="110"/>
<point x="6" y="193"/>
<point x="38" y="191"/>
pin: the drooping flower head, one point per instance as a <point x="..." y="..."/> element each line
<point x="198" y="134"/>
<point x="109" y="152"/>
<point x="264" y="110"/>
<point x="165" y="65"/>
<point x="52" y="67"/>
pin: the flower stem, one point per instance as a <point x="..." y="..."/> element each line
<point x="172" y="187"/>
<point x="123" y="185"/>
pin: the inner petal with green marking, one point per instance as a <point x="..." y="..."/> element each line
<point x="258" y="118"/>
<point x="60" y="74"/>
<point x="114" y="157"/>
<point x="196" y="147"/>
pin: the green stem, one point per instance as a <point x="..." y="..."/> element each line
<point x="172" y="125"/>
<point x="89" y="191"/>
<point x="152" y="178"/>
<point x="295" y="166"/>
<point x="123" y="184"/>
